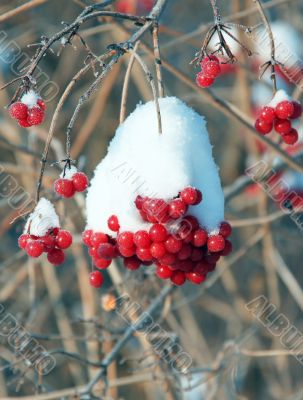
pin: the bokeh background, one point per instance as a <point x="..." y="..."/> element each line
<point x="234" y="356"/>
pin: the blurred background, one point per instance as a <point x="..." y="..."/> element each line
<point x="234" y="355"/>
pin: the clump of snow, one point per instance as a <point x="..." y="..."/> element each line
<point x="30" y="98"/>
<point x="69" y="172"/>
<point x="42" y="219"/>
<point x="140" y="161"/>
<point x="281" y="95"/>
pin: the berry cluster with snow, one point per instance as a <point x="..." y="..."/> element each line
<point x="42" y="234"/>
<point x="70" y="182"/>
<point x="278" y="115"/>
<point x="210" y="70"/>
<point x="29" y="110"/>
<point x="158" y="198"/>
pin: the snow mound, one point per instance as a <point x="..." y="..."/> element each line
<point x="140" y="161"/>
<point x="42" y="219"/>
<point x="30" y="98"/>
<point x="280" y="95"/>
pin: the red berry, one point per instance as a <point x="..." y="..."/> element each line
<point x="190" y="221"/>
<point x="56" y="256"/>
<point x="158" y="233"/>
<point x="177" y="208"/>
<point x="227" y="249"/>
<point x="101" y="263"/>
<point x="24" y="123"/>
<point x="113" y="223"/>
<point x="144" y="254"/>
<point x="297" y="110"/>
<point x="263" y="127"/>
<point x="202" y="268"/>
<point x="41" y="104"/>
<point x="139" y="202"/>
<point x="212" y="258"/>
<point x="98" y="238"/>
<point x="142" y="239"/>
<point x="185" y="252"/>
<point x="22" y="240"/>
<point x="197" y="255"/>
<point x="49" y="242"/>
<point x="225" y="229"/>
<point x="96" y="279"/>
<point x="126" y="239"/>
<point x="185" y="265"/>
<point x="173" y="245"/>
<point x="282" y="126"/>
<point x="178" y="278"/>
<point x="199" y="197"/>
<point x="215" y="243"/>
<point x="211" y="69"/>
<point x="196" y="278"/>
<point x="86" y="235"/>
<point x="143" y="215"/>
<point x="64" y="187"/>
<point x="106" y="251"/>
<point x="18" y="110"/>
<point x="291" y="137"/>
<point x="207" y="59"/>
<point x="132" y="263"/>
<point x="92" y="251"/>
<point x="34" y="248"/>
<point x="158" y="250"/>
<point x="163" y="271"/>
<point x="80" y="181"/>
<point x="189" y="195"/>
<point x="199" y="238"/>
<point x="267" y="114"/>
<point x="204" y="81"/>
<point x="64" y="239"/>
<point x="168" y="259"/>
<point x="157" y="209"/>
<point x="35" y="116"/>
<point x="284" y="109"/>
<point x="127" y="251"/>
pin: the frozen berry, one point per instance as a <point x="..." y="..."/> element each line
<point x="291" y="137"/>
<point x="80" y="181"/>
<point x="106" y="251"/>
<point x="196" y="278"/>
<point x="86" y="235"/>
<point x="125" y="239"/>
<point x="163" y="271"/>
<point x="35" y="116"/>
<point x="204" y="81"/>
<point x="199" y="237"/>
<point x="64" y="187"/>
<point x="132" y="263"/>
<point x="178" y="277"/>
<point x="98" y="238"/>
<point x="156" y="208"/>
<point x="18" y="110"/>
<point x="158" y="233"/>
<point x="282" y="126"/>
<point x="41" y="104"/>
<point x="297" y="110"/>
<point x="139" y="202"/>
<point x="101" y="263"/>
<point x="144" y="254"/>
<point x="24" y="123"/>
<point x="34" y="248"/>
<point x="212" y="69"/>
<point x="142" y="239"/>
<point x="225" y="229"/>
<point x="64" y="239"/>
<point x="56" y="256"/>
<point x="177" y="208"/>
<point x="96" y="279"/>
<point x="22" y="240"/>
<point x="263" y="127"/>
<point x="173" y="245"/>
<point x="157" y="250"/>
<point x="209" y="58"/>
<point x="267" y="114"/>
<point x="113" y="223"/>
<point x="284" y="109"/>
<point x="215" y="243"/>
<point x="189" y="195"/>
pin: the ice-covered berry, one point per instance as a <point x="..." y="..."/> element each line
<point x="204" y="81"/>
<point x="35" y="116"/>
<point x="18" y="110"/>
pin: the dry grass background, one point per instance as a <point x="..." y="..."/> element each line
<point x="211" y="322"/>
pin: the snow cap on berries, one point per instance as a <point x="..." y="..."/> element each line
<point x="140" y="161"/>
<point x="42" y="219"/>
<point x="30" y="98"/>
<point x="280" y="96"/>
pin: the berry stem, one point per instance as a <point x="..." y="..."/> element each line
<point x="158" y="62"/>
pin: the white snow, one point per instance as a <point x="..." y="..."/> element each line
<point x="281" y="95"/>
<point x="42" y="219"/>
<point x="69" y="172"/>
<point x="232" y="44"/>
<point x="141" y="161"/>
<point x="30" y="98"/>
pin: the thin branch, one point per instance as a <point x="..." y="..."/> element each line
<point x="158" y="62"/>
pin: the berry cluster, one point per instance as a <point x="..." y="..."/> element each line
<point x="53" y="243"/>
<point x="210" y="70"/>
<point x="280" y="119"/>
<point x="70" y="182"/>
<point x="181" y="249"/>
<point x="29" y="110"/>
